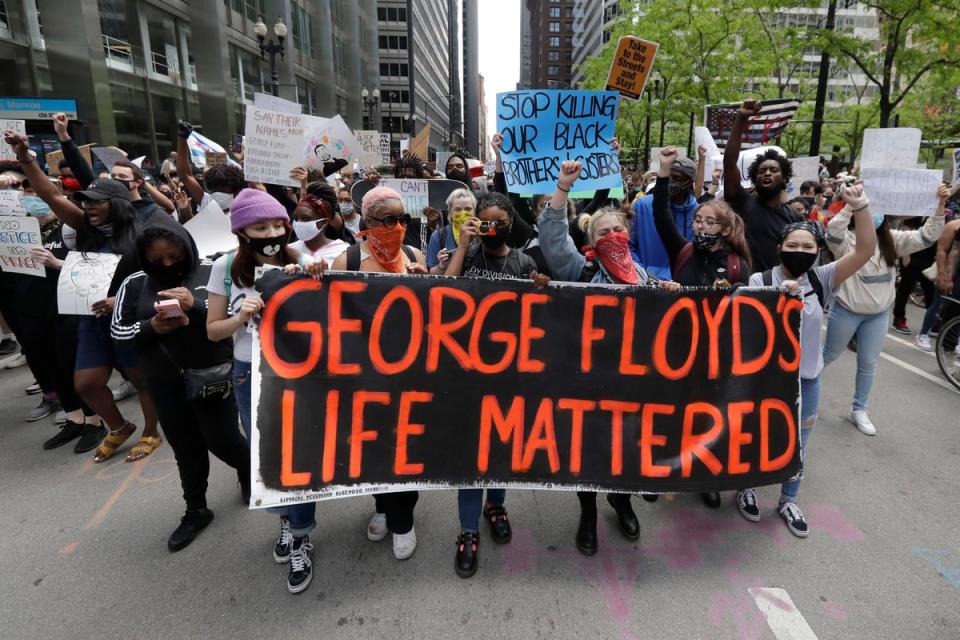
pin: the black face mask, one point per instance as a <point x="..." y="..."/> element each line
<point x="497" y="241"/>
<point x="767" y="193"/>
<point x="809" y="200"/>
<point x="460" y="176"/>
<point x="678" y="188"/>
<point x="166" y="276"/>
<point x="797" y="263"/>
<point x="267" y="247"/>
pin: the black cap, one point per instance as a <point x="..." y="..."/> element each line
<point x="104" y="189"/>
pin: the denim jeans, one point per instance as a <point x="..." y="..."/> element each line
<point x="809" y="403"/>
<point x="302" y="516"/>
<point x="470" y="504"/>
<point x="871" y="331"/>
<point x="932" y="313"/>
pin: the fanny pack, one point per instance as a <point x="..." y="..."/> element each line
<point x="209" y="382"/>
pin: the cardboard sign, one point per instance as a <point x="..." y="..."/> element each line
<point x="892" y="148"/>
<point x="210" y="230"/>
<point x="541" y="129"/>
<point x="17" y="126"/>
<point x="10" y="203"/>
<point x="84" y="279"/>
<point x="631" y="65"/>
<point x="109" y="156"/>
<point x="329" y="139"/>
<point x="269" y="102"/>
<point x="437" y="193"/>
<point x="53" y="159"/>
<point x="419" y="145"/>
<point x="215" y="158"/>
<point x="274" y="146"/>
<point x="902" y="192"/>
<point x="369" y="155"/>
<point x="17" y="237"/>
<point x="384" y="148"/>
<point x="438" y="383"/>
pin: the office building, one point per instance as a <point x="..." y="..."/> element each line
<point x="472" y="94"/>
<point x="592" y="23"/>
<point x="550" y="43"/>
<point x="526" y="52"/>
<point x="485" y="135"/>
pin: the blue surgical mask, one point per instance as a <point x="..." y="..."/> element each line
<point x="35" y="206"/>
<point x="346" y="208"/>
<point x="877" y="220"/>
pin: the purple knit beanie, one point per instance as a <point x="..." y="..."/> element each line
<point x="251" y="206"/>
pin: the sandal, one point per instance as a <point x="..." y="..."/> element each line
<point x="143" y="448"/>
<point x="112" y="442"/>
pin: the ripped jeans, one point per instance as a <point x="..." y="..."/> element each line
<point x="809" y="404"/>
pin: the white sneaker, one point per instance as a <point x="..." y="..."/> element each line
<point x="862" y="422"/>
<point x="123" y="390"/>
<point x="16" y="361"/>
<point x="60" y="417"/>
<point x="377" y="527"/>
<point x="923" y="341"/>
<point x="404" y="544"/>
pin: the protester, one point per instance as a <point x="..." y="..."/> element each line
<point x="798" y="247"/>
<point x="351" y="218"/>
<point x="765" y="214"/>
<point x="911" y="274"/>
<point x="318" y="225"/>
<point x="176" y="358"/>
<point x="944" y="282"/>
<point x="863" y="303"/>
<point x="221" y="183"/>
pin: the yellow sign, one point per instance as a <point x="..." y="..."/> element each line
<point x="631" y="66"/>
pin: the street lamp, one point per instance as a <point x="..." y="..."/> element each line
<point x="393" y="95"/>
<point x="650" y="96"/>
<point x="369" y="103"/>
<point x="271" y="47"/>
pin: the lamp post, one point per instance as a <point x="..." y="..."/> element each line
<point x="393" y="95"/>
<point x="370" y="102"/>
<point x="650" y="96"/>
<point x="271" y="47"/>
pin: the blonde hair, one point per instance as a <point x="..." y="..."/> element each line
<point x="588" y="223"/>
<point x="461" y="193"/>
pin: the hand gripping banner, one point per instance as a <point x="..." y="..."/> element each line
<point x="369" y="383"/>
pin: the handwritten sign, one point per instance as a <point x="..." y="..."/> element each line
<point x="541" y="129"/>
<point x="631" y="66"/>
<point x="17" y="237"/>
<point x="10" y="204"/>
<point x="415" y="193"/>
<point x="329" y="139"/>
<point x="804" y="169"/>
<point x="274" y="146"/>
<point x="18" y="126"/>
<point x="894" y="148"/>
<point x="369" y="155"/>
<point x="268" y="102"/>
<point x="210" y="230"/>
<point x="384" y="148"/>
<point x="215" y="158"/>
<point x="84" y="279"/>
<point x="902" y="192"/>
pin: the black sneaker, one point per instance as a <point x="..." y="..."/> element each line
<point x="8" y="346"/>
<point x="500" y="530"/>
<point x="68" y="432"/>
<point x="650" y="497"/>
<point x="301" y="568"/>
<point x="627" y="520"/>
<point x="587" y="534"/>
<point x="281" y="550"/>
<point x="193" y="522"/>
<point x="747" y="504"/>
<point x="466" y="561"/>
<point x="90" y="438"/>
<point x="711" y="499"/>
<point x="792" y="515"/>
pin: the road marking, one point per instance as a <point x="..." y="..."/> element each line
<point x="783" y="617"/>
<point x="920" y="372"/>
<point x="102" y="512"/>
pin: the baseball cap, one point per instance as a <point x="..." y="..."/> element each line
<point x="104" y="189"/>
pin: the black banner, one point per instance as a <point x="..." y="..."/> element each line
<point x="368" y="380"/>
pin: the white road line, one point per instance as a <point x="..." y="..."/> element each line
<point x="920" y="372"/>
<point x="783" y="617"/>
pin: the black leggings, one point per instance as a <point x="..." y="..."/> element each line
<point x="910" y="275"/>
<point x="398" y="508"/>
<point x="588" y="501"/>
<point x="194" y="427"/>
<point x="65" y="337"/>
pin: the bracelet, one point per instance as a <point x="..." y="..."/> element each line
<point x="862" y="207"/>
<point x="562" y="189"/>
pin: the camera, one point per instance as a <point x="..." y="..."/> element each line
<point x="487" y="228"/>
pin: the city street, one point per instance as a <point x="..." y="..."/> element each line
<point x="84" y="552"/>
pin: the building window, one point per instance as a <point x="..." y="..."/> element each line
<point x="393" y="42"/>
<point x="394" y="69"/>
<point x="554" y="41"/>
<point x="554" y="27"/>
<point x="300" y="31"/>
<point x="392" y="14"/>
<point x="4" y="21"/>
<point x="553" y="56"/>
<point x="555" y="12"/>
<point x="254" y="9"/>
<point x="553" y="70"/>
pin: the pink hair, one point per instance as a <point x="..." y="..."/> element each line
<point x="376" y="197"/>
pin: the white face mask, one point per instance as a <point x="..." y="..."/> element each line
<point x="224" y="200"/>
<point x="307" y="231"/>
<point x="346" y="208"/>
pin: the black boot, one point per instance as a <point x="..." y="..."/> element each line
<point x="650" y="497"/>
<point x="192" y="523"/>
<point x="466" y="560"/>
<point x="587" y="533"/>
<point x="500" y="531"/>
<point x="626" y="519"/>
<point x="711" y="499"/>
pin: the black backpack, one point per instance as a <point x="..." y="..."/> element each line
<point x="812" y="276"/>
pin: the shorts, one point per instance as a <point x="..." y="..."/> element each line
<point x="96" y="349"/>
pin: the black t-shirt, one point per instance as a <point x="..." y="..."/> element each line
<point x="479" y="264"/>
<point x="763" y="225"/>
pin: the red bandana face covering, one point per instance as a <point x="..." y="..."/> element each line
<point x="384" y="243"/>
<point x="614" y="252"/>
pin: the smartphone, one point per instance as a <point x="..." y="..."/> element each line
<point x="168" y="309"/>
<point x="237" y="142"/>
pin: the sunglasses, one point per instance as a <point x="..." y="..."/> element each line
<point x="392" y="221"/>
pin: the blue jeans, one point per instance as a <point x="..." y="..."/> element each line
<point x="470" y="504"/>
<point x="302" y="516"/>
<point x="933" y="312"/>
<point x="809" y="403"/>
<point x="871" y="331"/>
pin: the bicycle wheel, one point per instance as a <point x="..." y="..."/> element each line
<point x="948" y="351"/>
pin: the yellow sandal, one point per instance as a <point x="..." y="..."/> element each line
<point x="112" y="442"/>
<point x="143" y="448"/>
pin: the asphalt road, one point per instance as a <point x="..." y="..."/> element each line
<point x="83" y="547"/>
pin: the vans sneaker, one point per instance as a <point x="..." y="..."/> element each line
<point x="301" y="567"/>
<point x="281" y="550"/>
<point x="792" y="515"/>
<point x="747" y="504"/>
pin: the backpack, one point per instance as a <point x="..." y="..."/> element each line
<point x="812" y="276"/>
<point x="353" y="256"/>
<point x="733" y="263"/>
<point x="227" y="278"/>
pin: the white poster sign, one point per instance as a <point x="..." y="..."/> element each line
<point x="210" y="229"/>
<point x="902" y="192"/>
<point x="17" y="126"/>
<point x="84" y="279"/>
<point x="10" y="204"/>
<point x="804" y="169"/>
<point x="703" y="138"/>
<point x="17" y="237"/>
<point x="894" y="148"/>
<point x="655" y="156"/>
<point x="385" y="148"/>
<point x="415" y="194"/>
<point x="274" y="146"/>
<point x="369" y="155"/>
<point x="268" y="102"/>
<point x="328" y="140"/>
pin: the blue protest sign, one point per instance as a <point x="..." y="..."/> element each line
<point x="541" y="129"/>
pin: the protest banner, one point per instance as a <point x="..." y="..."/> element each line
<point x="804" y="169"/>
<point x="367" y="383"/>
<point x="704" y="139"/>
<point x="329" y="139"/>
<point x="17" y="126"/>
<point x="10" y="203"/>
<point x="274" y="146"/>
<point x="109" y="156"/>
<point x="419" y="145"/>
<point x="541" y="129"/>
<point x="384" y="148"/>
<point x="616" y="194"/>
<point x="437" y="193"/>
<point x="210" y="230"/>
<point x="631" y="66"/>
<point x="902" y="192"/>
<point x="415" y="194"/>
<point x="269" y="102"/>
<point x="368" y="155"/>
<point x="215" y="159"/>
<point x="18" y="235"/>
<point x="893" y="148"/>
<point x="84" y="279"/>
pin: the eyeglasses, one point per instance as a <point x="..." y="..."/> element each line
<point x="392" y="221"/>
<point x="707" y="223"/>
<point x="87" y="203"/>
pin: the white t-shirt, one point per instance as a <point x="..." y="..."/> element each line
<point x="242" y="337"/>
<point x="353" y="223"/>
<point x="328" y="252"/>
